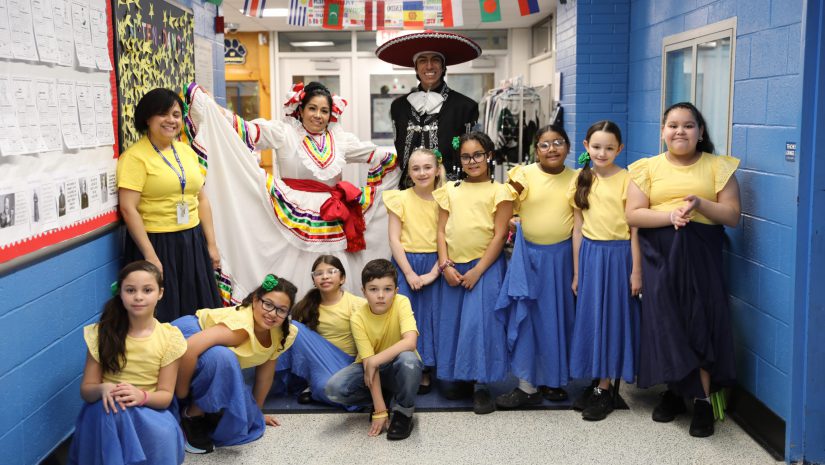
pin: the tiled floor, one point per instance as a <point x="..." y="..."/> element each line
<point x="520" y="437"/>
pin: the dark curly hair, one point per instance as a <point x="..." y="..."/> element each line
<point x="283" y="286"/>
<point x="486" y="144"/>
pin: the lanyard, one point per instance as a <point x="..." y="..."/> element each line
<point x="182" y="175"/>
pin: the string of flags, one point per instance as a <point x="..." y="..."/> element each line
<point x="375" y="15"/>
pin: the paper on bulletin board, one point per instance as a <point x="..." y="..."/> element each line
<point x="5" y="31"/>
<point x="22" y="32"/>
<point x="44" y="30"/>
<point x="204" y="68"/>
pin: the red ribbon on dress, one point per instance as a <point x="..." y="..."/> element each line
<point x="344" y="205"/>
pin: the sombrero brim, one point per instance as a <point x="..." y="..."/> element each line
<point x="455" y="48"/>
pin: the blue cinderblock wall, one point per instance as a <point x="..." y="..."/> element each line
<point x="43" y="309"/>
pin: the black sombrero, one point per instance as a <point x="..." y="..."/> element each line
<point x="455" y="48"/>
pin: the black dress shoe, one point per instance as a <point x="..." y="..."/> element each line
<point x="483" y="402"/>
<point x="702" y="424"/>
<point x="305" y="397"/>
<point x="669" y="407"/>
<point x="400" y="427"/>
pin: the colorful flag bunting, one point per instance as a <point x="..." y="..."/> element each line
<point x="374" y="15"/>
<point x="393" y="14"/>
<point x="333" y="14"/>
<point x="451" y="13"/>
<point x="490" y="11"/>
<point x="413" y="14"/>
<point x="432" y="14"/>
<point x="528" y="7"/>
<point x="297" y="13"/>
<point x="254" y="8"/>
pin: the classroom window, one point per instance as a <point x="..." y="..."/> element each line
<point x="542" y="34"/>
<point x="698" y="68"/>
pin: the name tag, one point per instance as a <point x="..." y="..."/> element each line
<point x="183" y="212"/>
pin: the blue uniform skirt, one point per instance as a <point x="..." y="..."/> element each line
<point x="539" y="302"/>
<point x="188" y="278"/>
<point x="606" y="328"/>
<point x="218" y="386"/>
<point x="315" y="359"/>
<point x="685" y="320"/>
<point x="425" y="303"/>
<point x="472" y="340"/>
<point x="135" y="436"/>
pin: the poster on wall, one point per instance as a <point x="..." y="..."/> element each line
<point x="154" y="48"/>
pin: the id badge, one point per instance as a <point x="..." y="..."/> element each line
<point x="183" y="212"/>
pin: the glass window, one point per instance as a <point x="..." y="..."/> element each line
<point x="333" y="83"/>
<point x="698" y="68"/>
<point x="242" y="98"/>
<point x="542" y="37"/>
<point x="365" y="41"/>
<point x="321" y="41"/>
<point x="488" y="39"/>
<point x="471" y="85"/>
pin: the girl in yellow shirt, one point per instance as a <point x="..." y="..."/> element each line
<point x="218" y="408"/>
<point x="680" y="201"/>
<point x="606" y="273"/>
<point x="413" y="227"/>
<point x="324" y="343"/>
<point x="472" y="228"/>
<point x="129" y="378"/>
<point x="536" y="292"/>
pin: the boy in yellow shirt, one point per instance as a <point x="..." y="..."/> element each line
<point x="385" y="334"/>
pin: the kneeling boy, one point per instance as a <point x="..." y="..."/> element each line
<point x="385" y="334"/>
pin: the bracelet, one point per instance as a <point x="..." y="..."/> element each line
<point x="145" y="398"/>
<point x="444" y="266"/>
<point x="671" y="216"/>
<point x="379" y="415"/>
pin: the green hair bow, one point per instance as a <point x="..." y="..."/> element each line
<point x="584" y="158"/>
<point x="456" y="142"/>
<point x="269" y="282"/>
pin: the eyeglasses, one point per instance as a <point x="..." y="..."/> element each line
<point x="270" y="307"/>
<point x="477" y="157"/>
<point x="327" y="272"/>
<point x="545" y="146"/>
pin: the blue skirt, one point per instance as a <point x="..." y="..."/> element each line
<point x="135" y="436"/>
<point x="315" y="359"/>
<point x="605" y="333"/>
<point x="425" y="303"/>
<point x="218" y="386"/>
<point x="472" y="339"/>
<point x="540" y="305"/>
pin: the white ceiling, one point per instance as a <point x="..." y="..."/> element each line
<point x="510" y="16"/>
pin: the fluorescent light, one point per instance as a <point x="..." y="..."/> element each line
<point x="313" y="43"/>
<point x="274" y="12"/>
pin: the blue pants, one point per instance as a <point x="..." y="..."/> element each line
<point x="400" y="377"/>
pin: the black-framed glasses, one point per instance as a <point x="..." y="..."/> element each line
<point x="477" y="157"/>
<point x="545" y="146"/>
<point x="270" y="307"/>
<point x="327" y="272"/>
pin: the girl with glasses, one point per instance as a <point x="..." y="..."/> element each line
<point x="129" y="379"/>
<point x="472" y="228"/>
<point x="324" y="344"/>
<point x="217" y="408"/>
<point x="536" y="292"/>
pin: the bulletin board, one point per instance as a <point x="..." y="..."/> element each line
<point x="57" y="124"/>
<point x="155" y="48"/>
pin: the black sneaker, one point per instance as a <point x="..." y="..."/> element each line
<point x="196" y="432"/>
<point x="581" y="402"/>
<point x="599" y="405"/>
<point x="400" y="427"/>
<point x="516" y="398"/>
<point x="702" y="424"/>
<point x="553" y="394"/>
<point x="483" y="402"/>
<point x="305" y="397"/>
<point x="669" y="407"/>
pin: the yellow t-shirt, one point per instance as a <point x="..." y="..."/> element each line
<point x="546" y="215"/>
<point x="141" y="169"/>
<point x="333" y="322"/>
<point x="375" y="333"/>
<point x="472" y="207"/>
<point x="145" y="356"/>
<point x="666" y="184"/>
<point x="250" y="353"/>
<point x="419" y="220"/>
<point x="605" y="219"/>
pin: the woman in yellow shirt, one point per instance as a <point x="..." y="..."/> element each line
<point x="166" y="212"/>
<point x="472" y="228"/>
<point x="324" y="343"/>
<point x="413" y="228"/>
<point x="220" y="343"/>
<point x="680" y="201"/>
<point x="129" y="378"/>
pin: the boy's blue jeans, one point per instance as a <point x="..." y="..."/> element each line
<point x="400" y="377"/>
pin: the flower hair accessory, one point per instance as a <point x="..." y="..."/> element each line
<point x="269" y="282"/>
<point x="456" y="142"/>
<point x="584" y="158"/>
<point x="114" y="288"/>
<point x="438" y="155"/>
<point x="297" y="93"/>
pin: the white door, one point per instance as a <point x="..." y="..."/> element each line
<point x="332" y="72"/>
